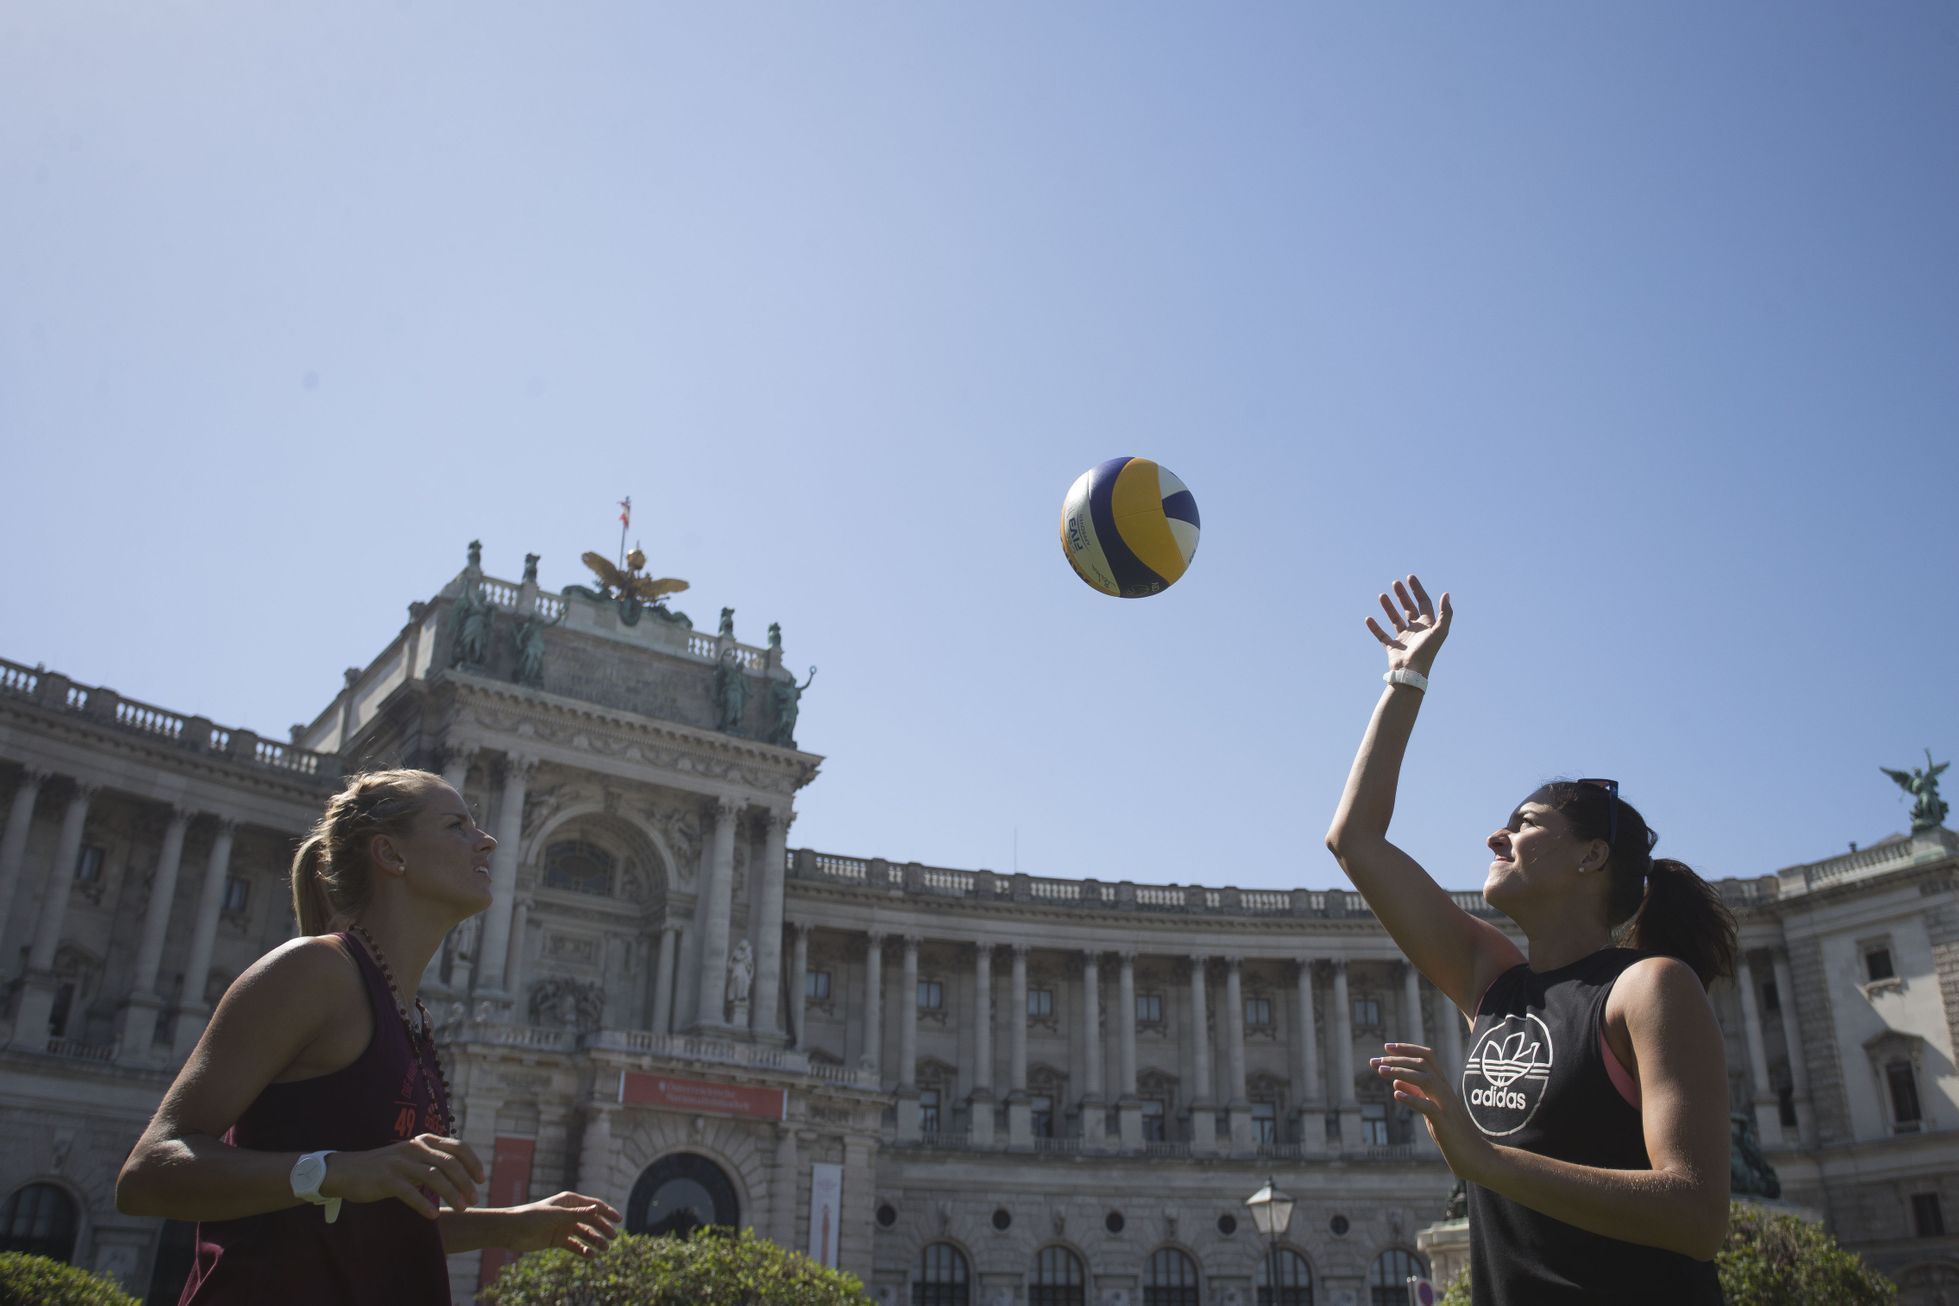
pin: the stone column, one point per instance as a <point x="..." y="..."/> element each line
<point x="595" y="1177"/>
<point x="1094" y="1108"/>
<point x="491" y="954"/>
<point x="785" y="1186"/>
<point x="799" y="983"/>
<point x="192" y="1009"/>
<point x="455" y="771"/>
<point x="1411" y="1007"/>
<point x="717" y="904"/>
<point x="1020" y="1121"/>
<point x="1768" y="1120"/>
<point x="1128" y="1105"/>
<point x="1785" y="1001"/>
<point x="979" y="1115"/>
<point x="1239" y="1107"/>
<point x="768" y="946"/>
<point x="908" y="1018"/>
<point x="1343" y="1060"/>
<point x="1451" y="1050"/>
<point x="663" y="977"/>
<point x="873" y="1058"/>
<point x="1310" y="1098"/>
<point x="38" y="989"/>
<point x="139" y="1017"/>
<point x="1203" y="1112"/>
<point x="13" y="844"/>
<point x="513" y="961"/>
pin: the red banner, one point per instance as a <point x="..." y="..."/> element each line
<point x="510" y="1185"/>
<point x="638" y="1088"/>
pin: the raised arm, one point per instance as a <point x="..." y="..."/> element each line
<point x="1459" y="953"/>
<point x="284" y="1019"/>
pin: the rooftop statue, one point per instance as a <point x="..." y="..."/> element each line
<point x="786" y="696"/>
<point x="1928" y="813"/>
<point x="530" y="649"/>
<point x="632" y="588"/>
<point x="730" y="695"/>
<point x="473" y="617"/>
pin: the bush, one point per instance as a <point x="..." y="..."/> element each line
<point x="41" y="1281"/>
<point x="1771" y="1258"/>
<point x="711" y="1268"/>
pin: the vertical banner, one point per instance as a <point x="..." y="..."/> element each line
<point x="825" y="1211"/>
<point x="510" y="1185"/>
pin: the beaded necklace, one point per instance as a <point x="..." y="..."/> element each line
<point x="421" y="1030"/>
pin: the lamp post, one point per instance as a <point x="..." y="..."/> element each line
<point x="1271" y="1213"/>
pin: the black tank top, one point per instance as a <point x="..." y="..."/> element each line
<point x="1535" y="1079"/>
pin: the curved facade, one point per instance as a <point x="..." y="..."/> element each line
<point x="963" y="1086"/>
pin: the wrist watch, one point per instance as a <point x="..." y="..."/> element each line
<point x="308" y="1173"/>
<point x="1405" y="676"/>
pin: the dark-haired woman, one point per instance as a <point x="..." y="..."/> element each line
<point x="1590" y="1120"/>
<point x="309" y="1134"/>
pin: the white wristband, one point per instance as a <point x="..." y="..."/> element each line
<point x="1403" y="676"/>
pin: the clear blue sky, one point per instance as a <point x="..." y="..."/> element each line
<point x="1636" y="327"/>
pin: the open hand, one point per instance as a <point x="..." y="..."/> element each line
<point x="1420" y="1085"/>
<point x="569" y="1221"/>
<point x="1419" y="627"/>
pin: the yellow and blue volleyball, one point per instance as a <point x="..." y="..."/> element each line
<point x="1129" y="527"/>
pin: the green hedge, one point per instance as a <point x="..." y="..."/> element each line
<point x="1772" y="1259"/>
<point x="39" y="1281"/>
<point x="709" y="1269"/>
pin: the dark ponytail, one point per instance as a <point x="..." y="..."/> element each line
<point x="1664" y="907"/>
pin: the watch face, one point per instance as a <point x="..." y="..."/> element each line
<point x="306" y="1175"/>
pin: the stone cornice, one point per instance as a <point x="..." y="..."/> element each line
<point x="661" y="744"/>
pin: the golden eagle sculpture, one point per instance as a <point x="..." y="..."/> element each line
<point x="630" y="584"/>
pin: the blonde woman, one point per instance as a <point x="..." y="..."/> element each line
<point x="310" y="1134"/>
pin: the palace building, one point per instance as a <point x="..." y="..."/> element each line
<point x="963" y="1086"/>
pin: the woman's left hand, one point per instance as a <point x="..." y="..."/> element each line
<point x="570" y="1221"/>
<point x="1420" y="1085"/>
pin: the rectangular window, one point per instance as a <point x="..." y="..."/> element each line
<point x="1785" y="1106"/>
<point x="1367" y="1013"/>
<point x="1153" y="1121"/>
<point x="928" y="1110"/>
<point x="88" y="864"/>
<point x="1926" y="1217"/>
<point x="1149" y="1008"/>
<point x="1903" y="1084"/>
<point x="1374" y="1126"/>
<point x="816" y="984"/>
<point x="1265" y="1123"/>
<point x="1877" y="965"/>
<point x="1040" y="1111"/>
<point x="1771" y="1000"/>
<point x="237" y="893"/>
<point x="1258" y="1013"/>
<point x="931" y="995"/>
<point x="1040" y="1003"/>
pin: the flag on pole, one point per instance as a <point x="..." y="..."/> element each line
<point x="626" y="511"/>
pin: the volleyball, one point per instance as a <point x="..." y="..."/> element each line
<point x="1129" y="527"/>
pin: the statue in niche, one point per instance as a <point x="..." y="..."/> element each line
<point x="473" y="618"/>
<point x="530" y="649"/>
<point x="787" y="697"/>
<point x="741" y="976"/>
<point x="730" y="695"/>
<point x="727" y="623"/>
<point x="1929" y="811"/>
<point x="1749" y="1172"/>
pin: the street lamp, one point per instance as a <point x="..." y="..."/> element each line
<point x="1271" y="1213"/>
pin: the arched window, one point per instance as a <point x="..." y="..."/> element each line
<point x="680" y="1193"/>
<point x="1057" y="1279"/>
<point x="39" y="1220"/>
<point x="1172" y="1279"/>
<point x="941" y="1279"/>
<point x="1295" y="1279"/>
<point x="1387" y="1281"/>
<point x="579" y="867"/>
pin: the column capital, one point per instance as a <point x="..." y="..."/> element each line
<point x="226" y="824"/>
<point x="1127" y="958"/>
<point x="800" y="929"/>
<point x="1304" y="966"/>
<point x="876" y="938"/>
<point x="1199" y="961"/>
<point x="1091" y="959"/>
<point x="518" y="766"/>
<point x="179" y="813"/>
<point x="1019" y="950"/>
<point x="1337" y="965"/>
<point x="911" y="944"/>
<point x="776" y="818"/>
<point x="460" y="750"/>
<point x="1233" y="962"/>
<point x="728" y="809"/>
<point x="33" y="777"/>
<point x="86" y="790"/>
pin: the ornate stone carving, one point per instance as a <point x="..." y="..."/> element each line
<point x="569" y="1003"/>
<point x="741" y="977"/>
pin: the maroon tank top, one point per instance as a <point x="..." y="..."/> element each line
<point x="376" y="1251"/>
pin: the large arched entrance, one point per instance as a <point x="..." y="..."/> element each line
<point x="681" y="1193"/>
